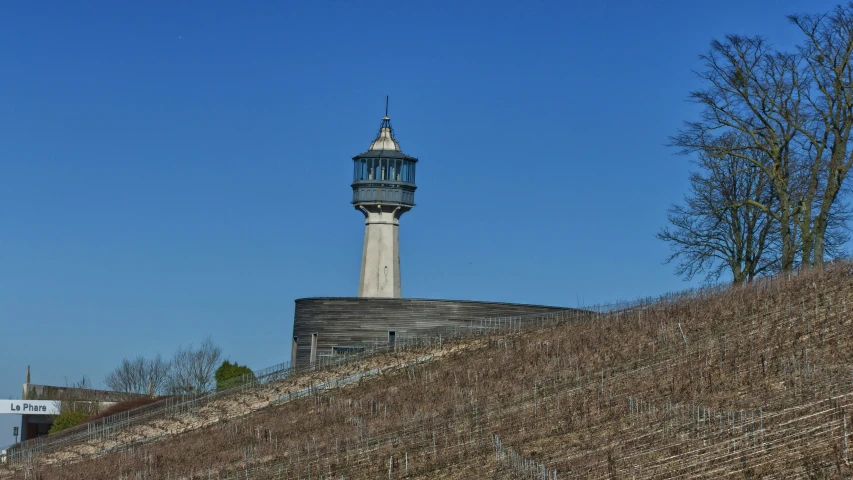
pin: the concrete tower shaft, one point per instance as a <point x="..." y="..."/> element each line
<point x="380" y="258"/>
<point x="383" y="190"/>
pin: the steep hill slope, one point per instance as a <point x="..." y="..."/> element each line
<point x="745" y="382"/>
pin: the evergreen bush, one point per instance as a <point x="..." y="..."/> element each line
<point x="231" y="374"/>
<point x="67" y="419"/>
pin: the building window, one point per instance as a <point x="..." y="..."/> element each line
<point x="313" y="348"/>
<point x="392" y="338"/>
<point x="344" y="351"/>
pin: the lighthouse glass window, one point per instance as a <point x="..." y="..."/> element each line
<point x="384" y="169"/>
<point x="408" y="172"/>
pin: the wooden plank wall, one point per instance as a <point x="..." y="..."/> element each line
<point x="351" y="321"/>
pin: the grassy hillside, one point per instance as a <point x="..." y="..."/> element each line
<point x="746" y="382"/>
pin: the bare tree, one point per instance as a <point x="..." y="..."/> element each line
<point x="720" y="226"/>
<point x="753" y="92"/>
<point x="127" y="377"/>
<point x="139" y="375"/>
<point x="827" y="54"/>
<point x="193" y="370"/>
<point x="795" y="110"/>
<point x="158" y="374"/>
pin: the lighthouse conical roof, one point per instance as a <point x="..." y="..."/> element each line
<point x="385" y="139"/>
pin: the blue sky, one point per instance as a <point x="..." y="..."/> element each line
<point x="175" y="170"/>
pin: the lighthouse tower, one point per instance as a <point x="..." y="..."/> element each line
<point x="383" y="189"/>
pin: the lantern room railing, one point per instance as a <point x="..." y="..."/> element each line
<point x="385" y="194"/>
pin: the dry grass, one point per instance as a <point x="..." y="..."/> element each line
<point x="123" y="407"/>
<point x="748" y="382"/>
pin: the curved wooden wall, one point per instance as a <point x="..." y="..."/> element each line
<point x="352" y="321"/>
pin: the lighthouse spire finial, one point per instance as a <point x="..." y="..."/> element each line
<point x="385" y="139"/>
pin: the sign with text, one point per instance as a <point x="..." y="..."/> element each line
<point x="30" y="407"/>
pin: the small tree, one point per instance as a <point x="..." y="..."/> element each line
<point x="193" y="368"/>
<point x="139" y="375"/>
<point x="230" y="374"/>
